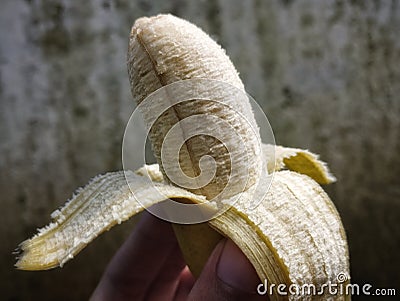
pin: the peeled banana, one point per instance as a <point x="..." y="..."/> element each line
<point x="293" y="236"/>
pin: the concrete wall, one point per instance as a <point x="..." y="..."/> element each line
<point x="326" y="73"/>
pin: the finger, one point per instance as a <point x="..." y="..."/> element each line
<point x="186" y="282"/>
<point x="151" y="251"/>
<point x="228" y="275"/>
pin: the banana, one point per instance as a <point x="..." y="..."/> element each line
<point x="293" y="235"/>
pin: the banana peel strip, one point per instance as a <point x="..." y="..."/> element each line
<point x="106" y="201"/>
<point x="299" y="160"/>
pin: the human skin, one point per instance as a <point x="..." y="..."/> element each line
<point x="150" y="266"/>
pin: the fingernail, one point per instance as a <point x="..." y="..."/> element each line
<point x="235" y="270"/>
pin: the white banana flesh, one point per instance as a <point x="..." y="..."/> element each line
<point x="165" y="49"/>
<point x="294" y="235"/>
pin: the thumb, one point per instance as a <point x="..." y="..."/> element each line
<point x="227" y="275"/>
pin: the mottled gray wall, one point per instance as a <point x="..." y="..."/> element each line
<point x="326" y="72"/>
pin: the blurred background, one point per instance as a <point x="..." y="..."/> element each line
<point x="327" y="74"/>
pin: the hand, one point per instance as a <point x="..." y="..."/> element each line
<point x="150" y="266"/>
